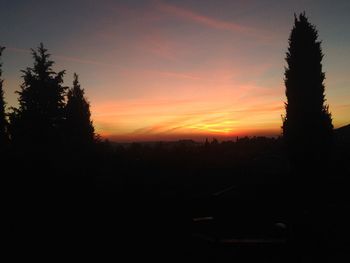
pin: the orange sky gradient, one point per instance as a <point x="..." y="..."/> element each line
<point x="168" y="70"/>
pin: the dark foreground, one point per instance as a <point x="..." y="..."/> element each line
<point x="215" y="228"/>
<point x="131" y="206"/>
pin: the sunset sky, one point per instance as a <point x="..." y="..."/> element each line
<point x="166" y="69"/>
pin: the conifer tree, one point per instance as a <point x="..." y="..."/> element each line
<point x="79" y="127"/>
<point x="307" y="125"/>
<point x="3" y="120"/>
<point x="38" y="119"/>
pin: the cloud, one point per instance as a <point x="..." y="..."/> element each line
<point x="199" y="116"/>
<point x="175" y="75"/>
<point x="67" y="58"/>
<point x="207" y="21"/>
<point x="125" y="71"/>
<point x="155" y="43"/>
<point x="84" y="61"/>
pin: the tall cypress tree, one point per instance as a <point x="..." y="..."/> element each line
<point x="38" y="119"/>
<point x="3" y="121"/>
<point x="79" y="127"/>
<point x="307" y="126"/>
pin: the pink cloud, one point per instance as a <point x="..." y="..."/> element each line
<point x="175" y="74"/>
<point x="67" y="58"/>
<point x="208" y="21"/>
<point x="262" y="35"/>
<point x="84" y="61"/>
<point x="158" y="45"/>
<point x="201" y="19"/>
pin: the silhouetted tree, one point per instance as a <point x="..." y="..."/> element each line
<point x="39" y="117"/>
<point x="307" y="131"/>
<point x="79" y="127"/>
<point x="3" y="121"/>
<point x="307" y="125"/>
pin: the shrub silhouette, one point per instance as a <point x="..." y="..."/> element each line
<point x="307" y="125"/>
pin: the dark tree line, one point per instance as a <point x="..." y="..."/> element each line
<point x="50" y="115"/>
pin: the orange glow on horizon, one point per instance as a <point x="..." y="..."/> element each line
<point x="233" y="113"/>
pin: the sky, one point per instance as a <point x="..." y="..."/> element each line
<point x="185" y="69"/>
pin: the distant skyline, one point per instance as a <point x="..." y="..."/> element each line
<point x="164" y="70"/>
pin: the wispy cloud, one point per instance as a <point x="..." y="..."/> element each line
<point x="176" y="74"/>
<point x="158" y="45"/>
<point x="68" y="58"/>
<point x="84" y="61"/>
<point x="207" y="20"/>
<point x="211" y="115"/>
<point x="125" y="71"/>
